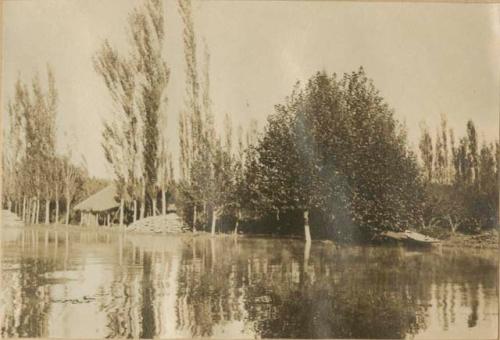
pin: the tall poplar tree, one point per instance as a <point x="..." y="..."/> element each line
<point x="132" y="139"/>
<point x="426" y="153"/>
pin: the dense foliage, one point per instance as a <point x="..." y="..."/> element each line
<point x="334" y="149"/>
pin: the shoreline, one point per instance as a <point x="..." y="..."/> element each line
<point x="485" y="240"/>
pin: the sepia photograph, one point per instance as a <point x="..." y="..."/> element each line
<point x="178" y="169"/>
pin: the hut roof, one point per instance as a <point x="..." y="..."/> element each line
<point x="100" y="201"/>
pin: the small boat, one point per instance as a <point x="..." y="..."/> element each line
<point x="410" y="237"/>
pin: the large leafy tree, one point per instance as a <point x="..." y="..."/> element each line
<point x="335" y="148"/>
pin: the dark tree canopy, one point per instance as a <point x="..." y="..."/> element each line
<point x="335" y="148"/>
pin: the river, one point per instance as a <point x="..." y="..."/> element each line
<point x="98" y="283"/>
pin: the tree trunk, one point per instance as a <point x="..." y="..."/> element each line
<point x="453" y="226"/>
<point x="107" y="220"/>
<point x="214" y="221"/>
<point x="24" y="209"/>
<point x="134" y="218"/>
<point x="57" y="211"/>
<point x="33" y="214"/>
<point x="28" y="211"/>
<point x="195" y="217"/>
<point x="33" y="211"/>
<point x="121" y="212"/>
<point x="307" y="253"/>
<point x="143" y="203"/>
<point x="9" y="205"/>
<point x="307" y="231"/>
<point x="38" y="206"/>
<point x="163" y="202"/>
<point x="37" y="210"/>
<point x="142" y="209"/>
<point x="154" y="205"/>
<point x="238" y="217"/>
<point x="68" y="209"/>
<point x="205" y="215"/>
<point x="47" y="211"/>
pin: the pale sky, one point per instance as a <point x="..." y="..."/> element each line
<point x="426" y="59"/>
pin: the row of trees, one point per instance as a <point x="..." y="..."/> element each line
<point x="211" y="166"/>
<point x="38" y="183"/>
<point x="315" y="156"/>
<point x="331" y="158"/>
<point x="135" y="136"/>
<point x="460" y="179"/>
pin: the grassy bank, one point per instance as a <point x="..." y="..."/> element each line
<point x="484" y="240"/>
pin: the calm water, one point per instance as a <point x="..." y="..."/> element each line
<point x="103" y="284"/>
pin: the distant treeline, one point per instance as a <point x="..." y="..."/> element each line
<point x="460" y="179"/>
<point x="331" y="161"/>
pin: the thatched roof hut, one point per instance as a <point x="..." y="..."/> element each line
<point x="97" y="209"/>
<point x="101" y="201"/>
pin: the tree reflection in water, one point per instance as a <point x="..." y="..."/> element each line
<point x="170" y="286"/>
